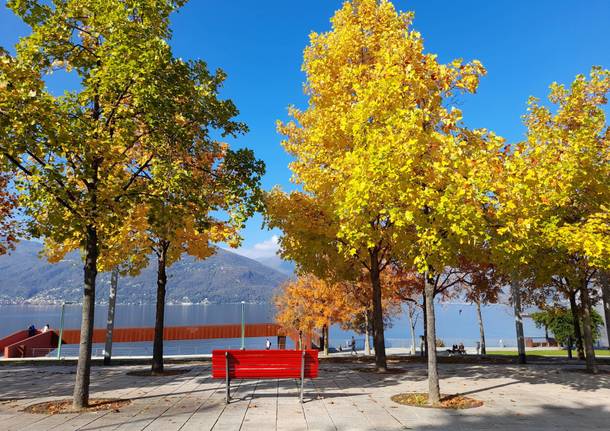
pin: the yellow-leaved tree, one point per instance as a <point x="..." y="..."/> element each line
<point x="555" y="193"/>
<point x="78" y="156"/>
<point x="386" y="160"/>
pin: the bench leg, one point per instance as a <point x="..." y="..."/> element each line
<point x="227" y="380"/>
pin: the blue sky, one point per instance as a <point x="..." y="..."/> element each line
<point x="525" y="45"/>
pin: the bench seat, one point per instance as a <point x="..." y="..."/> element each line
<point x="264" y="364"/>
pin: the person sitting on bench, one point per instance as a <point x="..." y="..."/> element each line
<point x="32" y="331"/>
<point x="457" y="349"/>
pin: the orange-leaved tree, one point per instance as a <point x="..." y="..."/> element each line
<point x="310" y="303"/>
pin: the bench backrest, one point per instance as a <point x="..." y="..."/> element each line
<point x="261" y="364"/>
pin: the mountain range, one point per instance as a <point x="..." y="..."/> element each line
<point x="224" y="277"/>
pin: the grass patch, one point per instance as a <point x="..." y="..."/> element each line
<point x="551" y="352"/>
<point x="419" y="399"/>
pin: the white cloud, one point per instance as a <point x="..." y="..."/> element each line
<point x="267" y="248"/>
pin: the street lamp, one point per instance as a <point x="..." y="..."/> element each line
<point x="243" y="325"/>
<point x="61" y="327"/>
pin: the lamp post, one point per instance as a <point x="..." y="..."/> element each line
<point x="61" y="329"/>
<point x="243" y="325"/>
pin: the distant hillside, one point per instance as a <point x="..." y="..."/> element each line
<point x="277" y="263"/>
<point x="224" y="277"/>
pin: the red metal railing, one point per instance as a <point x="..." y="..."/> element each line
<point x="14" y="338"/>
<point x="132" y="335"/>
<point x="19" y="345"/>
<point x="36" y="345"/>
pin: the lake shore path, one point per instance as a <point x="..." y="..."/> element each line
<point x="538" y="396"/>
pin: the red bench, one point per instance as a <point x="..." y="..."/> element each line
<point x="264" y="364"/>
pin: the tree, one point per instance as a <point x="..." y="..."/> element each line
<point x="201" y="192"/>
<point x="561" y="272"/>
<point x="413" y="313"/>
<point x="360" y="293"/>
<point x="8" y="226"/>
<point x="123" y="255"/>
<point x="309" y="239"/>
<point x="482" y="285"/>
<point x="81" y="156"/>
<point x="559" y="320"/>
<point x="114" y="283"/>
<point x="408" y="286"/>
<point x="378" y="149"/>
<point x="309" y="303"/>
<point x="604" y="281"/>
<point x="173" y="232"/>
<point x="557" y="192"/>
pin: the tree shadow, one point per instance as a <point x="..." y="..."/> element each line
<point x="24" y="383"/>
<point x="21" y="382"/>
<point x="341" y="380"/>
<point x="532" y="374"/>
<point x="543" y="417"/>
<point x="553" y="372"/>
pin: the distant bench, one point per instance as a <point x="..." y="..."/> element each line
<point x="264" y="364"/>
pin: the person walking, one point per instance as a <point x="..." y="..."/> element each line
<point x="478" y="347"/>
<point x="422" y="346"/>
<point x="353" y="346"/>
<point x="267" y="344"/>
<point x="46" y="328"/>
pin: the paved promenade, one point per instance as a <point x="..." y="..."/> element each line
<point x="535" y="397"/>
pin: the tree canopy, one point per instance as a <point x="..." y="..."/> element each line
<point x="8" y="225"/>
<point x="137" y="129"/>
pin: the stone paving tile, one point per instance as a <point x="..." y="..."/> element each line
<point x="207" y="414"/>
<point x="156" y="404"/>
<point x="533" y="397"/>
<point x="289" y="409"/>
<point x="263" y="409"/>
<point x="180" y="412"/>
<point x="149" y="391"/>
<point x="233" y="415"/>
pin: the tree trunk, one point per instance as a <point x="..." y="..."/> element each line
<point x="434" y="396"/>
<point x="367" y="335"/>
<point x="587" y="324"/>
<point x="481" y="328"/>
<point x="157" y="361"/>
<point x="326" y="331"/>
<point x="425" y="313"/>
<point x="412" y="331"/>
<point x="378" y="333"/>
<point x="114" y="280"/>
<point x="605" y="285"/>
<point x="576" y="324"/>
<point x="300" y="340"/>
<point x="83" y="367"/>
<point x="516" y="294"/>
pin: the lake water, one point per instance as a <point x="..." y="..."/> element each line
<point x="455" y="323"/>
